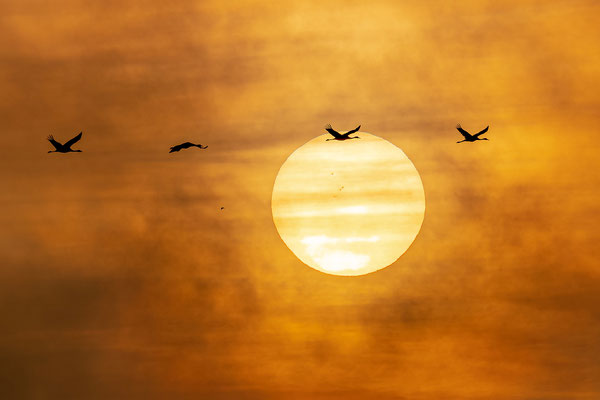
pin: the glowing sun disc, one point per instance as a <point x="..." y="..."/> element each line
<point x="348" y="207"/>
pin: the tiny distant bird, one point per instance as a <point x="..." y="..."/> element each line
<point x="339" y="136"/>
<point x="222" y="208"/>
<point x="186" y="145"/>
<point x="64" y="148"/>
<point x="469" y="137"/>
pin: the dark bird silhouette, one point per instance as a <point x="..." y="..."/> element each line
<point x="186" y="145"/>
<point x="469" y="137"/>
<point x="341" y="136"/>
<point x="64" y="148"/>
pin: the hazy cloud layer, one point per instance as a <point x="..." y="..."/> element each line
<point x="121" y="277"/>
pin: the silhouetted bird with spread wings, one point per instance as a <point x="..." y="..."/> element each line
<point x="469" y="137"/>
<point x="341" y="136"/>
<point x="64" y="148"/>
<point x="186" y="145"/>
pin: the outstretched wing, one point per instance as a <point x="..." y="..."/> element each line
<point x="54" y="142"/>
<point x="482" y="132"/>
<point x="352" y="131"/>
<point x="203" y="147"/>
<point x="176" y="148"/>
<point x="463" y="132"/>
<point x="185" y="145"/>
<point x="74" y="140"/>
<point x="334" y="133"/>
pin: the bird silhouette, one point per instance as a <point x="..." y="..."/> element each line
<point x="64" y="148"/>
<point x="469" y="137"/>
<point x="186" y="145"/>
<point x="341" y="136"/>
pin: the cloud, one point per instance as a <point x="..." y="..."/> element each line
<point x="122" y="278"/>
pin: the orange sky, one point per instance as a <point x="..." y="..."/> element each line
<point x="122" y="278"/>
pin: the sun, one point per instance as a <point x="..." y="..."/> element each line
<point x="348" y="207"/>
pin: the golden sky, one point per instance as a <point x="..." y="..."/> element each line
<point x="120" y="277"/>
